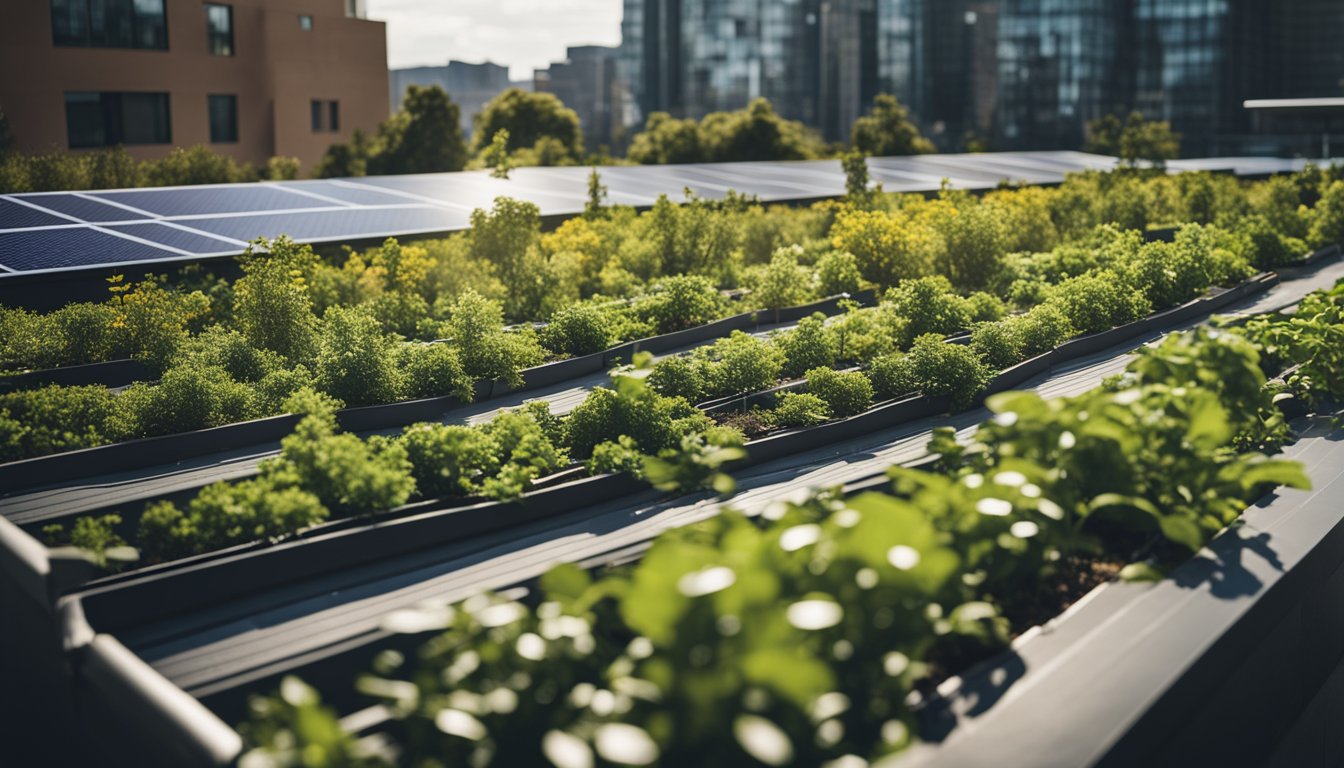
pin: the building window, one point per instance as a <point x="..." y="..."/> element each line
<point x="219" y="29"/>
<point x="109" y="24"/>
<point x="223" y="118"/>
<point x="109" y="119"/>
<point x="306" y="22"/>
<point x="326" y="116"/>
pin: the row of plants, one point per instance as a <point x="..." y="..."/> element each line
<point x="898" y="345"/>
<point x="322" y="473"/>
<point x="809" y="635"/>
<point x="614" y="274"/>
<point x="116" y="169"/>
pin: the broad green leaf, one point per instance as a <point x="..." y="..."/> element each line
<point x="1141" y="572"/>
<point x="1182" y="530"/>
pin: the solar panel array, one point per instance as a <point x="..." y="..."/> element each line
<point x="66" y="231"/>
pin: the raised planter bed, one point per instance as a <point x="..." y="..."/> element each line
<point x="113" y="373"/>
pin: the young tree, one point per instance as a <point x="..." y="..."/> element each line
<point x="597" y="196"/>
<point x="1134" y="140"/>
<point x="496" y="156"/>
<point x="665" y="139"/>
<point x="529" y="117"/>
<point x="423" y="137"/>
<point x="756" y="133"/>
<point x="887" y="130"/>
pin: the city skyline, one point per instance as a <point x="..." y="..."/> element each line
<point x="521" y="34"/>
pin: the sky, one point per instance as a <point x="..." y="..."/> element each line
<point x="522" y="34"/>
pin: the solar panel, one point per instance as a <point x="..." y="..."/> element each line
<point x="72" y="247"/>
<point x="15" y="215"/>
<point x="61" y="230"/>
<point x="194" y="201"/>
<point x="181" y="239"/>
<point x="84" y="208"/>
<point x="334" y="225"/>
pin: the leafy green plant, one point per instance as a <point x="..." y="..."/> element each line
<point x="807" y="346"/>
<point x="579" y="329"/>
<point x="800" y="409"/>
<point x="356" y="362"/>
<point x="433" y="370"/>
<point x="614" y="456"/>
<point x="837" y="273"/>
<point x="844" y="392"/>
<point x="693" y="465"/>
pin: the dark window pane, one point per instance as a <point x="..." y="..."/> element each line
<point x="145" y="118"/>
<point x="334" y="111"/>
<point x="219" y="29"/>
<point x="70" y="22"/>
<point x="151" y="28"/>
<point x="223" y="118"/>
<point x="111" y="24"/>
<point x="84" y="123"/>
<point x="317" y="116"/>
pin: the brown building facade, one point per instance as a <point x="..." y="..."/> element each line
<point x="247" y="78"/>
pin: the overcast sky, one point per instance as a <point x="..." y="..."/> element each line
<point x="523" y="34"/>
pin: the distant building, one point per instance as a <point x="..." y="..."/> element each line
<point x="247" y="78"/>
<point x="1012" y="74"/>
<point x="471" y="86"/>
<point x="586" y="82"/>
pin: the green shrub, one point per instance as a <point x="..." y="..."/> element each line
<point x="346" y="474"/>
<point x="272" y="394"/>
<point x="1269" y="246"/>
<point x="837" y="273"/>
<point x="935" y="368"/>
<point x="230" y="351"/>
<point x="433" y="370"/>
<point x="356" y="361"/>
<point x="783" y="282"/>
<point x="225" y="514"/>
<point x="523" y="442"/>
<point x="579" y="329"/>
<point x="1098" y="301"/>
<point x="929" y="305"/>
<point x="998" y="343"/>
<point x="476" y="327"/>
<point x="187" y="398"/>
<point x="800" y="409"/>
<point x="654" y="422"/>
<point x="449" y="460"/>
<point x="983" y="307"/>
<point x="739" y="364"/>
<point x="844" y="392"/>
<point x="678" y="376"/>
<point x="975" y="242"/>
<point x="1327" y="218"/>
<point x="1042" y="329"/>
<point x="859" y="335"/>
<point x="808" y="346"/>
<point x="612" y="457"/>
<point x="681" y="302"/>
<point x="271" y="300"/>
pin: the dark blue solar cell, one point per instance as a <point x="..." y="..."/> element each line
<point x="332" y="225"/>
<point x="356" y="195"/>
<point x="73" y="247"/>
<point x="14" y="215"/>
<point x="83" y="208"/>
<point x="193" y="242"/>
<point x="181" y="201"/>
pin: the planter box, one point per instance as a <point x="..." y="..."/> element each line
<point x="114" y="373"/>
<point x="1236" y="659"/>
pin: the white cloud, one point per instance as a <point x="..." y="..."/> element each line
<point x="523" y="34"/>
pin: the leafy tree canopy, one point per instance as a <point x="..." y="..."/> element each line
<point x="530" y="118"/>
<point x="887" y="130"/>
<point x="754" y="133"/>
<point x="1137" y="138"/>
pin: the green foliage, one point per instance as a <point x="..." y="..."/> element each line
<point x="837" y="273"/>
<point x="186" y="398"/>
<point x="754" y="133"/>
<point x="597" y="195"/>
<point x="496" y="155"/>
<point x="476" y="327"/>
<point x="999" y="343"/>
<point x="297" y="730"/>
<point x="888" y="246"/>
<point x="974" y="241"/>
<point x="341" y="160"/>
<point x="739" y="364"/>
<point x="681" y="302"/>
<point x="424" y="136"/>
<point x="433" y="370"/>
<point x="506" y="237"/>
<point x="935" y="368"/>
<point x="653" y="421"/>
<point x="1312" y="339"/>
<point x="784" y="282"/>
<point x="1327" y="218"/>
<point x="1134" y="140"/>
<point x="844" y="392"/>
<point x="695" y="464"/>
<point x="197" y="165"/>
<point x="529" y="117"/>
<point x="356" y="362"/>
<point x="929" y="305"/>
<point x="678" y="377"/>
<point x="807" y="346"/>
<point x="346" y="474"/>
<point x="1098" y="301"/>
<point x="578" y="329"/>
<point x="449" y="460"/>
<point x="800" y="409"/>
<point x="615" y="456"/>
<point x="271" y="300"/>
<point x="887" y="130"/>
<point x="282" y="169"/>
<point x="98" y="539"/>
